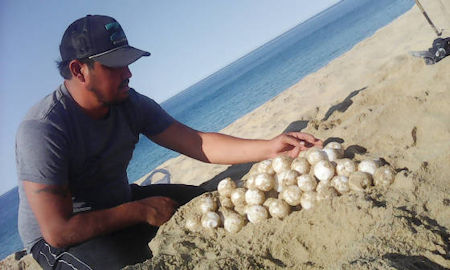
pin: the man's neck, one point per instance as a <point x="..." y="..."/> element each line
<point x="87" y="101"/>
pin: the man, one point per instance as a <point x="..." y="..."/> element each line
<point x="77" y="210"/>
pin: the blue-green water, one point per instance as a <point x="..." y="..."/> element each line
<point x="242" y="86"/>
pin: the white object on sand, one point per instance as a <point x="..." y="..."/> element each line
<point x="279" y="209"/>
<point x="340" y="183"/>
<point x="359" y="181"/>
<point x="264" y="181"/>
<point x="324" y="170"/>
<point x="383" y="176"/>
<point x="210" y="220"/>
<point x="238" y="196"/>
<point x="254" y="196"/>
<point x="301" y="165"/>
<point x="315" y="155"/>
<point x="345" y="166"/>
<point x="286" y="178"/>
<point x="265" y="166"/>
<point x="308" y="200"/>
<point x="281" y="163"/>
<point x="306" y="182"/>
<point x="226" y="186"/>
<point x="292" y="195"/>
<point x="257" y="213"/>
<point x="368" y="166"/>
<point x="233" y="222"/>
<point x="208" y="204"/>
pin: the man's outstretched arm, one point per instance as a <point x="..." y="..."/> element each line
<point x="52" y="206"/>
<point x="224" y="149"/>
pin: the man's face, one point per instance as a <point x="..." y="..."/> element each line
<point x="109" y="85"/>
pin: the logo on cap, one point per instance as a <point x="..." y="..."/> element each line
<point x="116" y="34"/>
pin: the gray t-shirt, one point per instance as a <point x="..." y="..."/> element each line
<point x="58" y="144"/>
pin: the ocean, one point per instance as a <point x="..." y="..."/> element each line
<point x="235" y="90"/>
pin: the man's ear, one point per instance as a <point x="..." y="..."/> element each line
<point x="79" y="70"/>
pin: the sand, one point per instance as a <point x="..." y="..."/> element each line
<point x="380" y="102"/>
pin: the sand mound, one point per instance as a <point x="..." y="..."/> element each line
<point x="379" y="102"/>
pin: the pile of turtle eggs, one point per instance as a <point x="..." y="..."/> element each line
<point x="281" y="185"/>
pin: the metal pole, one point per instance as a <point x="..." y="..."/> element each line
<point x="428" y="19"/>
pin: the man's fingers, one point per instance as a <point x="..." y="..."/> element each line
<point x="313" y="141"/>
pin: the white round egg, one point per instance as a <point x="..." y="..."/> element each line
<point x="383" y="176"/>
<point x="340" y="183"/>
<point x="265" y="166"/>
<point x="345" y="166"/>
<point x="233" y="222"/>
<point x="208" y="204"/>
<point x="308" y="200"/>
<point x="292" y="195"/>
<point x="264" y="181"/>
<point x="226" y="186"/>
<point x="368" y="166"/>
<point x="324" y="170"/>
<point x="257" y="213"/>
<point x="279" y="209"/>
<point x="315" y="155"/>
<point x="238" y="196"/>
<point x="301" y="165"/>
<point x="210" y="220"/>
<point x="281" y="163"/>
<point x="254" y="197"/>
<point x="306" y="182"/>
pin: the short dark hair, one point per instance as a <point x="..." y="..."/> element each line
<point x="63" y="67"/>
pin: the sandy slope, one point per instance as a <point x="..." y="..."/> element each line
<point x="375" y="98"/>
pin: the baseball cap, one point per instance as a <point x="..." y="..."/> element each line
<point x="99" y="38"/>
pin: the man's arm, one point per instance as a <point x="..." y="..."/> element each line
<point x="224" y="149"/>
<point x="52" y="206"/>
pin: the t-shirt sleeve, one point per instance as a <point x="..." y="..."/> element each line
<point x="153" y="118"/>
<point x="41" y="153"/>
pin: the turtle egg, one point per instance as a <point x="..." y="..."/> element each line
<point x="326" y="193"/>
<point x="336" y="146"/>
<point x="226" y="186"/>
<point x="254" y="196"/>
<point x="383" y="176"/>
<point x="257" y="213"/>
<point x="292" y="195"/>
<point x="368" y="166"/>
<point x="279" y="209"/>
<point x="241" y="209"/>
<point x="323" y="184"/>
<point x="210" y="220"/>
<point x="345" y="167"/>
<point x="286" y="178"/>
<point x="238" y="196"/>
<point x="265" y="166"/>
<point x="301" y="165"/>
<point x="323" y="170"/>
<point x="315" y="155"/>
<point x="264" y="182"/>
<point x="359" y="181"/>
<point x="306" y="182"/>
<point x="332" y="154"/>
<point x="340" y="183"/>
<point x="233" y="222"/>
<point x="281" y="163"/>
<point x="250" y="182"/>
<point x="208" y="204"/>
<point x="268" y="202"/>
<point x="226" y="202"/>
<point x="308" y="200"/>
<point x="193" y="223"/>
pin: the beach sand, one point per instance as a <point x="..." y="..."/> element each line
<point x="378" y="100"/>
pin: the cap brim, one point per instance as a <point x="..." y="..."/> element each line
<point x="120" y="57"/>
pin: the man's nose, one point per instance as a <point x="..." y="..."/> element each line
<point x="126" y="73"/>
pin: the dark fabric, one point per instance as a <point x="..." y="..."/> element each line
<point x="118" y="249"/>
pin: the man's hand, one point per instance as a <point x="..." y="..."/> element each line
<point x="158" y="210"/>
<point x="293" y="143"/>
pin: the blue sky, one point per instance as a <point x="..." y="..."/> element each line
<point x="188" y="40"/>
